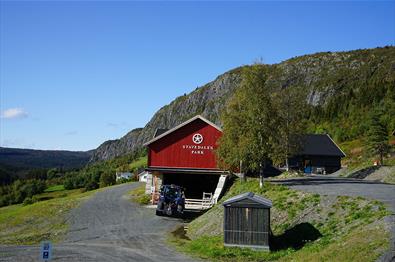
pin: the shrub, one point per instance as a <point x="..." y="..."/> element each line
<point x="91" y="185"/>
<point x="74" y="180"/>
<point x="28" y="201"/>
<point x="107" y="179"/>
<point x="124" y="180"/>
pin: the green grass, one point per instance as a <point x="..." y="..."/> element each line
<point x="138" y="163"/>
<point x="138" y="195"/>
<point x="43" y="220"/>
<point x="211" y="247"/>
<point x="354" y="221"/>
<point x="358" y="156"/>
<point x="54" y="188"/>
<point x="361" y="244"/>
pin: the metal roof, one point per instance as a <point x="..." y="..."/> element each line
<point x="249" y="196"/>
<point x="181" y="125"/>
<point x="320" y="145"/>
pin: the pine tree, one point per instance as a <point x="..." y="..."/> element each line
<point x="377" y="136"/>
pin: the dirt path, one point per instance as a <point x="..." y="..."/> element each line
<point x="351" y="187"/>
<point x="108" y="227"/>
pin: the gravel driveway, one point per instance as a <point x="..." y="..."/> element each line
<point x="109" y="227"/>
<point x="344" y="187"/>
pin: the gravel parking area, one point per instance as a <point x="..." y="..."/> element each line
<point x="109" y="227"/>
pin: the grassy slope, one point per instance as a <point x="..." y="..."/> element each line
<point x="351" y="228"/>
<point x="139" y="163"/>
<point x="138" y="195"/>
<point x="54" y="188"/>
<point x="358" y="157"/>
<point x="43" y="220"/>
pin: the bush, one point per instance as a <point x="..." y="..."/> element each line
<point x="91" y="185"/>
<point x="20" y="190"/>
<point x="28" y="201"/>
<point x="107" y="179"/>
<point x="74" y="180"/>
<point x="124" y="180"/>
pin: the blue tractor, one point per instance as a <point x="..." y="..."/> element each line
<point x="171" y="201"/>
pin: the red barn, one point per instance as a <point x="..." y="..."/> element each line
<point x="185" y="156"/>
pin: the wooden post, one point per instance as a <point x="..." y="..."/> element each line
<point x="242" y="175"/>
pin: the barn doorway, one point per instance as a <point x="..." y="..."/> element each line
<point x="194" y="184"/>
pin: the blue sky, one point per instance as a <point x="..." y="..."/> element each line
<point x="74" y="74"/>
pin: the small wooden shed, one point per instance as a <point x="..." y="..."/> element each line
<point x="247" y="221"/>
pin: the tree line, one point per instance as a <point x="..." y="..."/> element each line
<point x="93" y="176"/>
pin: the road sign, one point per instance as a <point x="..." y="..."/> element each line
<point x="46" y="251"/>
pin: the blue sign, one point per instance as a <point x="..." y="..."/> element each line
<point x="46" y="251"/>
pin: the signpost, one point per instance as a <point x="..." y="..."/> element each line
<point x="46" y="251"/>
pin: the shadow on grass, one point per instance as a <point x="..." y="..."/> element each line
<point x="363" y="173"/>
<point x="295" y="237"/>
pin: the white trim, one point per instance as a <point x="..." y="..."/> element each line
<point x="181" y="125"/>
<point x="336" y="145"/>
<point x="192" y="168"/>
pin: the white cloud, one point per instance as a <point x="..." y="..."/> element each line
<point x="13" y="113"/>
<point x="71" y="133"/>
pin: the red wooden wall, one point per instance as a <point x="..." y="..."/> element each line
<point x="174" y="150"/>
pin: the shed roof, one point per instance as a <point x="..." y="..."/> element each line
<point x="320" y="145"/>
<point x="249" y="199"/>
<point x="181" y="125"/>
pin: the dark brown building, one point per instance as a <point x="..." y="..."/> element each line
<point x="247" y="221"/>
<point x="319" y="154"/>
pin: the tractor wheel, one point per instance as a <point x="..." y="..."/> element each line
<point x="169" y="212"/>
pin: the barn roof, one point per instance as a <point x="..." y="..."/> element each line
<point x="182" y="125"/>
<point x="248" y="199"/>
<point x="320" y="145"/>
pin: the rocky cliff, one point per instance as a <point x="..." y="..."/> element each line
<point x="331" y="80"/>
<point x="207" y="100"/>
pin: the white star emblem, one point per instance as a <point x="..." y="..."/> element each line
<point x="197" y="138"/>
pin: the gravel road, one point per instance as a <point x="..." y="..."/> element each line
<point x="109" y="227"/>
<point x="344" y="187"/>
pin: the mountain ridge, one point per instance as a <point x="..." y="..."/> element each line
<point x="325" y="76"/>
<point x="21" y="158"/>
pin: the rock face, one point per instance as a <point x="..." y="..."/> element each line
<point x="325" y="77"/>
<point x="207" y="101"/>
<point x="113" y="148"/>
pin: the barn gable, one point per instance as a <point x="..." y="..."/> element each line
<point x="189" y="145"/>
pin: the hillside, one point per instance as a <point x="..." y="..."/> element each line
<point x="305" y="227"/>
<point x="22" y="159"/>
<point x="341" y="87"/>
